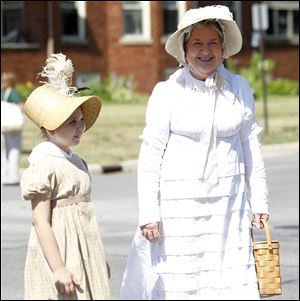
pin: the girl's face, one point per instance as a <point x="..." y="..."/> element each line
<point x="69" y="133"/>
<point x="203" y="52"/>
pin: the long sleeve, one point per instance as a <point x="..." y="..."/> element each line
<point x="154" y="140"/>
<point x="255" y="173"/>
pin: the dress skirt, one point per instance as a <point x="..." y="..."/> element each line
<point x="76" y="231"/>
<point x="204" y="253"/>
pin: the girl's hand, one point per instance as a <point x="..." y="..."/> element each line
<point x="151" y="231"/>
<point x="256" y="220"/>
<point x="65" y="281"/>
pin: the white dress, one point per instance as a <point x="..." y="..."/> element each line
<point x="197" y="179"/>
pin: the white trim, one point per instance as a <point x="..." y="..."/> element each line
<point x="81" y="8"/>
<point x="181" y="7"/>
<point x="145" y="37"/>
<point x="284" y="5"/>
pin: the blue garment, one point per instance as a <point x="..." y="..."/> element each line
<point x="14" y="96"/>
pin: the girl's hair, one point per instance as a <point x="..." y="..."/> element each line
<point x="42" y="136"/>
<point x="213" y="23"/>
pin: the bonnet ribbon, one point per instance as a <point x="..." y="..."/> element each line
<point x="210" y="174"/>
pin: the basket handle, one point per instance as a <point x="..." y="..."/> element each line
<point x="267" y="233"/>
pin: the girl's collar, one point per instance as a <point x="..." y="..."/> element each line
<point x="48" y="148"/>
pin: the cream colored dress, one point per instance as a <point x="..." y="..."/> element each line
<point x="64" y="178"/>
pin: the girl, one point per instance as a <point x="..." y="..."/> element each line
<point x="65" y="258"/>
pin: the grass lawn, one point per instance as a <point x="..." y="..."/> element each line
<point x="283" y="119"/>
<point x="115" y="136"/>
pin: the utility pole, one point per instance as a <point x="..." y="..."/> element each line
<point x="260" y="24"/>
<point x="263" y="73"/>
<point x="50" y="41"/>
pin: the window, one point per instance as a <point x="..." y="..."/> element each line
<point x="173" y="11"/>
<point x="73" y="17"/>
<point x="283" y="21"/>
<point x="136" y="22"/>
<point x="170" y="17"/>
<point x="84" y="79"/>
<point x="11" y="22"/>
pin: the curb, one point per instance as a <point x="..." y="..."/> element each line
<point x="130" y="166"/>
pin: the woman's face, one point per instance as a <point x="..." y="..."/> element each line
<point x="203" y="52"/>
<point x="70" y="132"/>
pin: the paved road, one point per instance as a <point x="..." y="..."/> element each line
<point x="115" y="201"/>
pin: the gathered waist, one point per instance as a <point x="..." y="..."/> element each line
<point x="72" y="199"/>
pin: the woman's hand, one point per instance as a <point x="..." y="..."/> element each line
<point x="151" y="231"/>
<point x="256" y="219"/>
<point x="65" y="281"/>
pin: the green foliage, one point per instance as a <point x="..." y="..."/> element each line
<point x="115" y="90"/>
<point x="282" y="86"/>
<point x="253" y="76"/>
<point x="24" y="90"/>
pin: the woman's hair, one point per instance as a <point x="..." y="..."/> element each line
<point x="213" y="23"/>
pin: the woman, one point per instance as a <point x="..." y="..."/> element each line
<point x="11" y="139"/>
<point x="200" y="173"/>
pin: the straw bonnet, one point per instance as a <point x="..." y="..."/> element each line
<point x="232" y="34"/>
<point x="50" y="105"/>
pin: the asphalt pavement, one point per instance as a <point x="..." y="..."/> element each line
<point x="115" y="200"/>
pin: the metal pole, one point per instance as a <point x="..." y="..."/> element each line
<point x="263" y="75"/>
<point x="50" y="42"/>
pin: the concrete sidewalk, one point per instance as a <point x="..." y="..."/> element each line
<point x="270" y="150"/>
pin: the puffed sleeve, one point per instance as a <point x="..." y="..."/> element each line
<point x="154" y="140"/>
<point x="38" y="181"/>
<point x="250" y="127"/>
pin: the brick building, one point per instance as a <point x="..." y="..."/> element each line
<point x="128" y="37"/>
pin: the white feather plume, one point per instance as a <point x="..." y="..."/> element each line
<point x="59" y="72"/>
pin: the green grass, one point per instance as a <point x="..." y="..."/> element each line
<point x="115" y="136"/>
<point x="283" y="119"/>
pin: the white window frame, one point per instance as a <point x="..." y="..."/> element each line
<point x="288" y="6"/>
<point x="145" y="36"/>
<point x="81" y="13"/>
<point x="181" y="9"/>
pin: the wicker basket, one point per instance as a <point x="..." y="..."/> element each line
<point x="266" y="255"/>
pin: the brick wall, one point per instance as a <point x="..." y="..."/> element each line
<point x="104" y="54"/>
